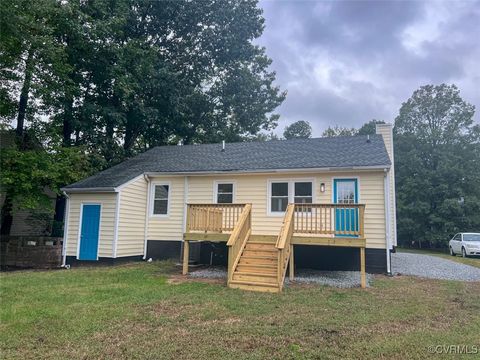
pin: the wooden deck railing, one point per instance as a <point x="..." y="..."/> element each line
<point x="330" y="219"/>
<point x="283" y="244"/>
<point x="213" y="217"/>
<point x="238" y="239"/>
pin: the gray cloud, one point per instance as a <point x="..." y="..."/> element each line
<point x="347" y="62"/>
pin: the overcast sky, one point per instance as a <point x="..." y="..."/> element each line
<point x="345" y="63"/>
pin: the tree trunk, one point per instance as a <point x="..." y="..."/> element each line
<point x="23" y="101"/>
<point x="6" y="214"/>
<point x="131" y="133"/>
<point x="67" y="121"/>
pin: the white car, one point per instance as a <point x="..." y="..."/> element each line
<point x="467" y="244"/>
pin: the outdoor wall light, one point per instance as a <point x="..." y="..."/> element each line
<point x="322" y="187"/>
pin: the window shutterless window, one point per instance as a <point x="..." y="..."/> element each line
<point x="284" y="192"/>
<point x="279" y="196"/>
<point x="303" y="193"/>
<point x="225" y="193"/>
<point x="160" y="199"/>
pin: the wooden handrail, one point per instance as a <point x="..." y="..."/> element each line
<point x="330" y="219"/>
<point x="238" y="239"/>
<point x="286" y="228"/>
<point x="283" y="244"/>
<point x="213" y="217"/>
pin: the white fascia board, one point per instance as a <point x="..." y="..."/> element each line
<point x="89" y="190"/>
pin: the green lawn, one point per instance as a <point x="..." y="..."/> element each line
<point x="137" y="311"/>
<point x="473" y="261"/>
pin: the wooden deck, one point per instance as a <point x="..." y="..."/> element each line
<point x="259" y="262"/>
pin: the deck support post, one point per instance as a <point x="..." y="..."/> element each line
<point x="186" y="256"/>
<point x="363" y="277"/>
<point x="292" y="264"/>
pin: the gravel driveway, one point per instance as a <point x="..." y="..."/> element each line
<point x="432" y="267"/>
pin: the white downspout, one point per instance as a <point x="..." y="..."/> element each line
<point x="65" y="229"/>
<point x="147" y="211"/>
<point x="386" y="185"/>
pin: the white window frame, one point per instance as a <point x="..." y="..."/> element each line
<point x="291" y="192"/>
<point x="152" y="198"/>
<point x="220" y="182"/>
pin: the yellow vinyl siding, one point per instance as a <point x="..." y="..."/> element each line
<point x="131" y="224"/>
<point x="254" y="189"/>
<point x="107" y="221"/>
<point x="169" y="227"/>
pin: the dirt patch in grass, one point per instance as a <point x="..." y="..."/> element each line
<point x="180" y="279"/>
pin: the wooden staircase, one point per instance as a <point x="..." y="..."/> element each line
<point x="257" y="268"/>
<point x="259" y="265"/>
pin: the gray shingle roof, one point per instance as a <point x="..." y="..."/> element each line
<point x="335" y="152"/>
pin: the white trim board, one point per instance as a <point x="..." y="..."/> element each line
<point x="115" y="229"/>
<point x="226" y="181"/>
<point x="291" y="192"/>
<point x="65" y="229"/>
<point x="152" y="194"/>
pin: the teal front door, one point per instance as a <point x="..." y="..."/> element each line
<point x="89" y="232"/>
<point x="345" y="191"/>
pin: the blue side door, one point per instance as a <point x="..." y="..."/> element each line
<point x="345" y="191"/>
<point x="89" y="232"/>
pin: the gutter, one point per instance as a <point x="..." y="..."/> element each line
<point x="271" y="171"/>
<point x="386" y="189"/>
<point x="95" y="189"/>
<point x="147" y="211"/>
<point x="65" y="231"/>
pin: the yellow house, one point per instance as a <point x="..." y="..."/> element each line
<point x="261" y="207"/>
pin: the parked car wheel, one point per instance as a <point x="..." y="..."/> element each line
<point x="464" y="253"/>
<point x="451" y="251"/>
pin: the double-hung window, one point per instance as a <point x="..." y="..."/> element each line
<point x="224" y="193"/>
<point x="303" y="193"/>
<point x="284" y="192"/>
<point x="279" y="196"/>
<point x="160" y="199"/>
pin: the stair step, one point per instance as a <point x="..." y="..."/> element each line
<point x="260" y="268"/>
<point x="260" y="257"/>
<point x="257" y="260"/>
<point x="254" y="286"/>
<point x="263" y="252"/>
<point x="256" y="278"/>
<point x="266" y="242"/>
<point x="260" y="246"/>
<point x="254" y="273"/>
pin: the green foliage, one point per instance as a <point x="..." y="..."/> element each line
<point x="369" y="128"/>
<point x="127" y="75"/>
<point x="339" y="131"/>
<point x="28" y="175"/>
<point x="437" y="159"/>
<point x="298" y="130"/>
